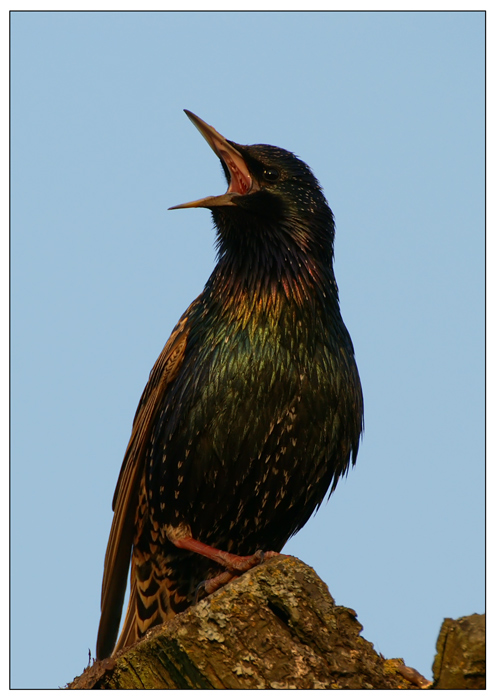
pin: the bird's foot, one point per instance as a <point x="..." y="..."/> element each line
<point x="239" y="564"/>
<point x="232" y="562"/>
<point x="213" y="584"/>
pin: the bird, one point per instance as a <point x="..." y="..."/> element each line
<point x="252" y="412"/>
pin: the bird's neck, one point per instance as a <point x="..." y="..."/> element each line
<point x="270" y="280"/>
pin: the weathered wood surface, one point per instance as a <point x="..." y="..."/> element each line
<point x="277" y="626"/>
<point x="461" y="654"/>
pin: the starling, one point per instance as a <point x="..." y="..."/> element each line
<point x="253" y="410"/>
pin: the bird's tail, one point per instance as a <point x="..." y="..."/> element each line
<point x="159" y="591"/>
<point x="130" y="629"/>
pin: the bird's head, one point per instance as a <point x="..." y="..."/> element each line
<point x="271" y="195"/>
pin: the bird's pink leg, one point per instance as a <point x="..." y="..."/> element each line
<point x="232" y="562"/>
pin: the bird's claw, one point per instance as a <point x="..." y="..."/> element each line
<point x="197" y="592"/>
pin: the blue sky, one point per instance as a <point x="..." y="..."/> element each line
<point x="388" y="110"/>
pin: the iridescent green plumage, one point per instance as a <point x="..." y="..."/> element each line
<point x="254" y="409"/>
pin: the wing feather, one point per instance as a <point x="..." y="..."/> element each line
<point x="126" y="495"/>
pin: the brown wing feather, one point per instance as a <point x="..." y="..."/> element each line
<point x="119" y="546"/>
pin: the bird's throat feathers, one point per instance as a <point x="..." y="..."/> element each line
<point x="275" y="263"/>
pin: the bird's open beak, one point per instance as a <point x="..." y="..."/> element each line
<point x="241" y="181"/>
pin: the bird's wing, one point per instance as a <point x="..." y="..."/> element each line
<point x="125" y="499"/>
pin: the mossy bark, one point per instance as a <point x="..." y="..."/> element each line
<point x="461" y="654"/>
<point x="277" y="626"/>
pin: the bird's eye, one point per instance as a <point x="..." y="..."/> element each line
<point x="271" y="174"/>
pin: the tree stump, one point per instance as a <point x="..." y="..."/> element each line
<point x="276" y="626"/>
<point x="461" y="654"/>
